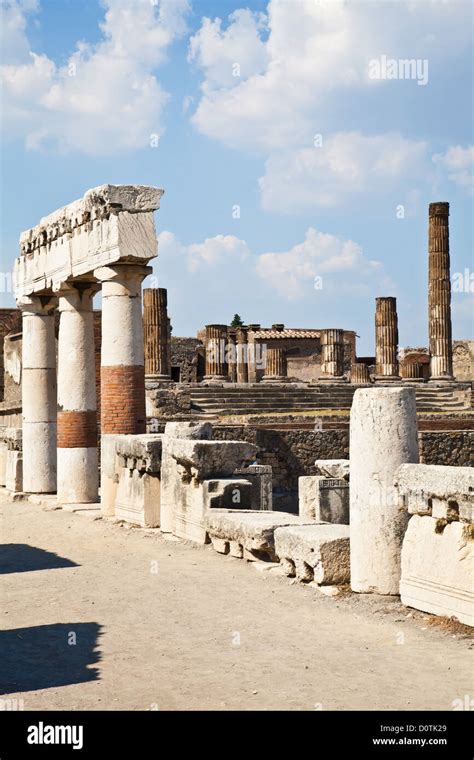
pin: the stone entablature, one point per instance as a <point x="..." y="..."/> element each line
<point x="110" y="224"/>
<point x="436" y="490"/>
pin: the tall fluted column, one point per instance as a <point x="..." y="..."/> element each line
<point x="216" y="343"/>
<point x="232" y="355"/>
<point x="156" y="334"/>
<point x="78" y="470"/>
<point x="122" y="377"/>
<point x="412" y="372"/>
<point x="242" y="356"/>
<point x="275" y="365"/>
<point x="332" y="367"/>
<point x="386" y="340"/>
<point x="39" y="394"/>
<point x="439" y="293"/>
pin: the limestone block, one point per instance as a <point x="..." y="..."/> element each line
<point x="138" y="498"/>
<point x="219" y="545"/>
<point x="383" y="435"/>
<point x="110" y="471"/>
<point x="315" y="552"/>
<point x="437" y="490"/>
<point x="251" y="530"/>
<point x="142" y="452"/>
<point x="14" y="471"/>
<point x="322" y="499"/>
<point x="174" y="430"/>
<point x="333" y="468"/>
<point x="78" y="473"/>
<point x="3" y="461"/>
<point x="228" y="493"/>
<point x="39" y="440"/>
<point x="438" y="568"/>
<point x="206" y="460"/>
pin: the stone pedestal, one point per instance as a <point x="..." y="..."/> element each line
<point x="216" y="343"/>
<point x="383" y="435"/>
<point x="332" y="367"/>
<point x="156" y="335"/>
<point x="78" y="473"/>
<point x="439" y="294"/>
<point x="275" y="366"/>
<point x="386" y="340"/>
<point x="122" y="362"/>
<point x="39" y="394"/>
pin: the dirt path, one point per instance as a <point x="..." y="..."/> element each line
<point x="203" y="632"/>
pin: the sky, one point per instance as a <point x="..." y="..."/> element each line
<point x="299" y="143"/>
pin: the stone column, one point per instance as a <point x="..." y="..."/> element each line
<point x="383" y="435"/>
<point x="412" y="372"/>
<point x="275" y="366"/>
<point x="242" y="356"/>
<point x="232" y="355"/>
<point x="216" y="342"/>
<point x="360" y="374"/>
<point x="39" y="394"/>
<point x="156" y="334"/>
<point x="78" y="468"/>
<point x="439" y="293"/>
<point x="122" y="385"/>
<point x="332" y="367"/>
<point x="386" y="340"/>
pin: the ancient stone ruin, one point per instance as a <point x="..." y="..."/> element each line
<point x="274" y="445"/>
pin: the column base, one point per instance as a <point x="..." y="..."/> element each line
<point x="274" y="379"/>
<point x="416" y="380"/>
<point x="78" y="475"/>
<point x="210" y="379"/>
<point x="442" y="380"/>
<point x="387" y="378"/>
<point x="158" y="379"/>
<point x="332" y="380"/>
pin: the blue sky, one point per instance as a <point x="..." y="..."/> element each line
<point x="282" y="159"/>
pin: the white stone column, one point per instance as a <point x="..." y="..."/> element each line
<point x="39" y="394"/>
<point x="78" y="473"/>
<point x="383" y="435"/>
<point x="122" y="402"/>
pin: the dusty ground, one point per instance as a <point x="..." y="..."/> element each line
<point x="203" y="632"/>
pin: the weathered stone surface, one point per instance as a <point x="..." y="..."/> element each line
<point x="252" y="530"/>
<point x="323" y="499"/>
<point x="383" y="435"/>
<point x="318" y="552"/>
<point x="205" y="460"/>
<point x="231" y="493"/>
<point x="333" y="468"/>
<point x="110" y="466"/>
<point x="138" y="498"/>
<point x="437" y="568"/>
<point x="436" y="490"/>
<point x="189" y="430"/>
<point x="14" y="471"/>
<point x="111" y="223"/>
<point x="260" y="477"/>
<point x="140" y="452"/>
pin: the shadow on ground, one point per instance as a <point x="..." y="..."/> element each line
<point x="45" y="656"/>
<point x="23" y="558"/>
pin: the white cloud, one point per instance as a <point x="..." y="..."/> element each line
<point x="313" y="50"/>
<point x="346" y="164"/>
<point x="106" y="98"/>
<point x="221" y="250"/>
<point x="458" y="162"/>
<point x="340" y="263"/>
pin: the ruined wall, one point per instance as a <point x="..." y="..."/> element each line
<point x="463" y="359"/>
<point x="184" y="355"/>
<point x="453" y="447"/>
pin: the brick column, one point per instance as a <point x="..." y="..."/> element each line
<point x="39" y="394"/>
<point x="156" y="334"/>
<point x="216" y="342"/>
<point x="122" y="366"/>
<point x="275" y="366"/>
<point x="242" y="356"/>
<point x="78" y="472"/>
<point x="386" y="340"/>
<point x="332" y="367"/>
<point x="439" y="293"/>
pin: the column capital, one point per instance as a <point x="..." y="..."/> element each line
<point x="41" y="305"/>
<point x="123" y="273"/>
<point x="76" y="295"/>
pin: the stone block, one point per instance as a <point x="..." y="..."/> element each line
<point x="323" y="499"/>
<point x="315" y="552"/>
<point x="232" y="493"/>
<point x="437" y="568"/>
<point x="260" y="476"/>
<point x="253" y="531"/>
<point x="138" y="498"/>
<point x="443" y="492"/>
<point x="3" y="461"/>
<point x="333" y="468"/>
<point x="14" y="471"/>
